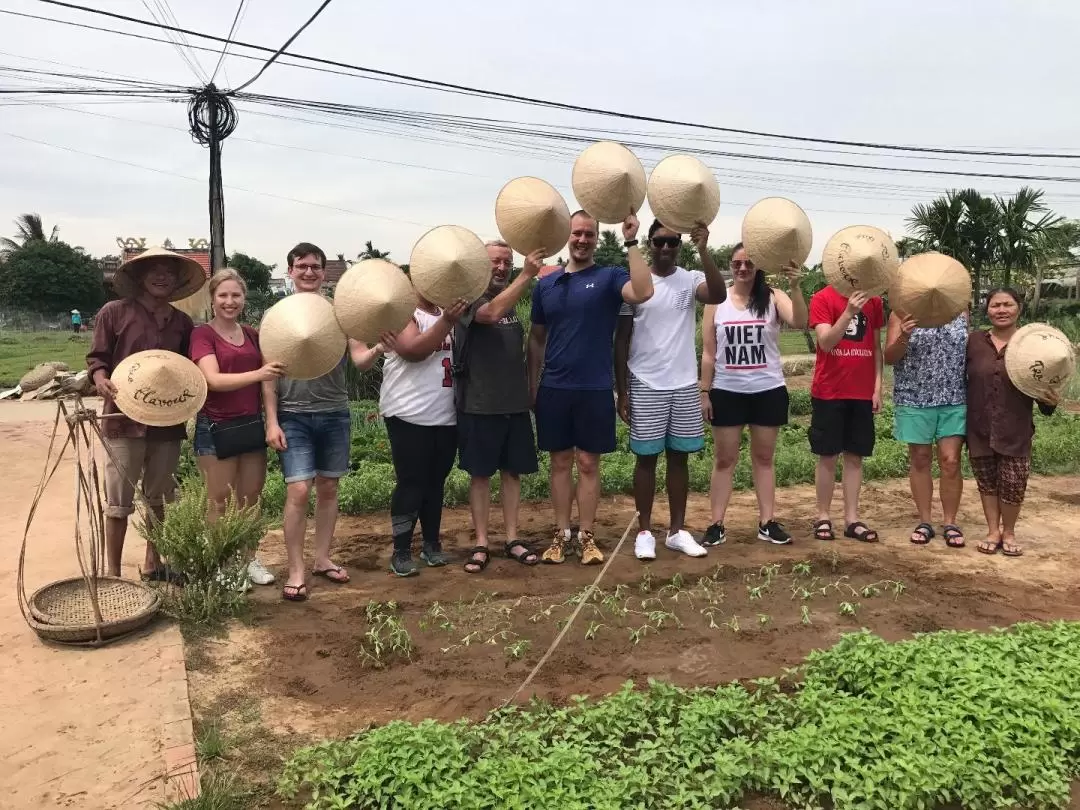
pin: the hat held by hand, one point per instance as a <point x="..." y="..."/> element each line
<point x="531" y="215"/>
<point x="1039" y="360"/>
<point x="860" y="257"/>
<point x="775" y="233"/>
<point x="609" y="182"/>
<point x="932" y="288"/>
<point x="158" y="388"/>
<point x="372" y="297"/>
<point x="448" y="263"/>
<point x="301" y="332"/>
<point x="683" y="190"/>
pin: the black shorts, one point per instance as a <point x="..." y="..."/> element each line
<point x="488" y="443"/>
<point x="568" y="418"/>
<point x="842" y="426"/>
<point x="764" y="408"/>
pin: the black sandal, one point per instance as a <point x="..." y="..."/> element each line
<point x="479" y="558"/>
<point x="526" y="556"/>
<point x="867" y="535"/>
<point x="823" y="530"/>
<point x="298" y="593"/>
<point x="954" y="538"/>
<point x="926" y="533"/>
<point x="164" y="574"/>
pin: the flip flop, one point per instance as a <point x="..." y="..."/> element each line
<point x="336" y="574"/>
<point x="986" y="547"/>
<point x="1011" y="549"/>
<point x="298" y="593"/>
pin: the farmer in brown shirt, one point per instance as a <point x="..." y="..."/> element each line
<point x="142" y="319"/>
<point x="999" y="425"/>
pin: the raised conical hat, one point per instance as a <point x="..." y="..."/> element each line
<point x="372" y="297"/>
<point x="158" y="388"/>
<point x="609" y="182"/>
<point x="932" y="288"/>
<point x="301" y="332"/>
<point x="860" y="257"/>
<point x="448" y="263"/>
<point x="1039" y="359"/>
<point x="683" y="190"/>
<point x="531" y="215"/>
<point x="189" y="273"/>
<point x="775" y="232"/>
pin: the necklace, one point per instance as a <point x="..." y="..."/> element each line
<point x="235" y="338"/>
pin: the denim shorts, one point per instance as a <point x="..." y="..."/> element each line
<point x="202" y="442"/>
<point x="316" y="444"/>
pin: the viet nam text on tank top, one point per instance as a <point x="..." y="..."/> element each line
<point x="747" y="349"/>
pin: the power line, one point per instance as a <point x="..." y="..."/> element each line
<point x="232" y="30"/>
<point x="281" y="50"/>
<point x="492" y="94"/>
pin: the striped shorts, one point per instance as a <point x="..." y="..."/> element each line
<point x="665" y="420"/>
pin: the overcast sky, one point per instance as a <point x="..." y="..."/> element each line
<point x="990" y="74"/>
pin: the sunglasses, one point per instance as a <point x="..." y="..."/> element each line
<point x="666" y="241"/>
<point x="739" y="264"/>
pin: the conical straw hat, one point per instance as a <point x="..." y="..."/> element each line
<point x="448" y="263"/>
<point x="860" y="257"/>
<point x="1039" y="359"/>
<point x="189" y="273"/>
<point x="372" y="297"/>
<point x="532" y="215"/>
<point x="776" y="232"/>
<point x="197" y="306"/>
<point x="683" y="190"/>
<point x="158" y="388"/>
<point x="301" y="332"/>
<point x="932" y="288"/>
<point x="609" y="182"/>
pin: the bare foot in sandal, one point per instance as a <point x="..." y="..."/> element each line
<point x="991" y="545"/>
<point x="478" y="560"/>
<point x="1009" y="547"/>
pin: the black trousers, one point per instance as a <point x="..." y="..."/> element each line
<point x="423" y="456"/>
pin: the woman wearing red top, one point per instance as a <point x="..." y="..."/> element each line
<point x="228" y="355"/>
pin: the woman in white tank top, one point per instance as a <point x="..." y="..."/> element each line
<point x="742" y="384"/>
<point x="416" y="401"/>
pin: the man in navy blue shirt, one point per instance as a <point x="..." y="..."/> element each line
<point x="574" y="313"/>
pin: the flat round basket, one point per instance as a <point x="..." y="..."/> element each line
<point x="63" y="611"/>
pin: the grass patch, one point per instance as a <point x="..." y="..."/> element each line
<point x="219" y="791"/>
<point x="962" y="718"/>
<point x="210" y="742"/>
<point x="21" y="351"/>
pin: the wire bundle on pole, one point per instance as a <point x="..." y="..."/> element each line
<point x="211" y="119"/>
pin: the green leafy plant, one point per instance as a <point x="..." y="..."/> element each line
<point x="387" y="639"/>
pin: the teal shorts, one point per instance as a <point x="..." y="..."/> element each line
<point x="927" y="425"/>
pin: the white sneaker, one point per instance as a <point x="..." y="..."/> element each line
<point x="258" y="574"/>
<point x="683" y="541"/>
<point x="645" y="546"/>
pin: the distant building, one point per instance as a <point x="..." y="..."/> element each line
<point x="335" y="269"/>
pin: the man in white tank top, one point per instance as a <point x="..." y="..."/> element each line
<point x="656" y="381"/>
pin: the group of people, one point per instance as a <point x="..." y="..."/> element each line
<point x="465" y="384"/>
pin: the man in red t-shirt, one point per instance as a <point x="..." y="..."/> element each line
<point x="845" y="393"/>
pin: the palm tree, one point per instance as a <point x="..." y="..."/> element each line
<point x="1023" y="243"/>
<point x="30" y="229"/>
<point x="372" y="252"/>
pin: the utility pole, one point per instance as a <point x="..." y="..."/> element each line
<point x="212" y="119"/>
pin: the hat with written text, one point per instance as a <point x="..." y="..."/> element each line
<point x="932" y="288"/>
<point x="158" y="388"/>
<point x="531" y="215"/>
<point x="681" y="191"/>
<point x="301" y="332"/>
<point x="1039" y="359"/>
<point x="776" y="232"/>
<point x="448" y="263"/>
<point x="190" y="276"/>
<point x="860" y="257"/>
<point x="609" y="182"/>
<point x="372" y="297"/>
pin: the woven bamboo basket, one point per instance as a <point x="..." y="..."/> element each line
<point x="63" y="611"/>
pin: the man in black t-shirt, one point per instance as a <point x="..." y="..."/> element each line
<point x="494" y="425"/>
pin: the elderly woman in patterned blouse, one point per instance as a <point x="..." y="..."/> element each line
<point x="1000" y="427"/>
<point x="930" y="394"/>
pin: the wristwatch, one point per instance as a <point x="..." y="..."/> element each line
<point x="629" y="243"/>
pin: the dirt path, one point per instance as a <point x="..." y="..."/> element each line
<point x="85" y="728"/>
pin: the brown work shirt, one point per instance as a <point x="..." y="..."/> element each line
<point x="121" y="329"/>
<point x="998" y="414"/>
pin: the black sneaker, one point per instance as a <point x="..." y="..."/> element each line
<point x="435" y="557"/>
<point x="773" y="532"/>
<point x="714" y="535"/>
<point x="402" y="564"/>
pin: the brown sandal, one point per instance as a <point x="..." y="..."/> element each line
<point x="294" y="593"/>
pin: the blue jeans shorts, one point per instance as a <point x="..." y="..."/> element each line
<point x="202" y="442"/>
<point x="316" y="444"/>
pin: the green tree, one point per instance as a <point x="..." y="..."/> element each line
<point x="29" y="229"/>
<point x="1027" y="235"/>
<point x="256" y="274"/>
<point x="51" y="277"/>
<point x="372" y="252"/>
<point x="610" y="251"/>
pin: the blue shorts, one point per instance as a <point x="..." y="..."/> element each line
<point x="315" y="444"/>
<point x="570" y="418"/>
<point x="202" y="442"/>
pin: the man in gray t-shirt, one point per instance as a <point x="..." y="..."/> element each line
<point x="494" y="425"/>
